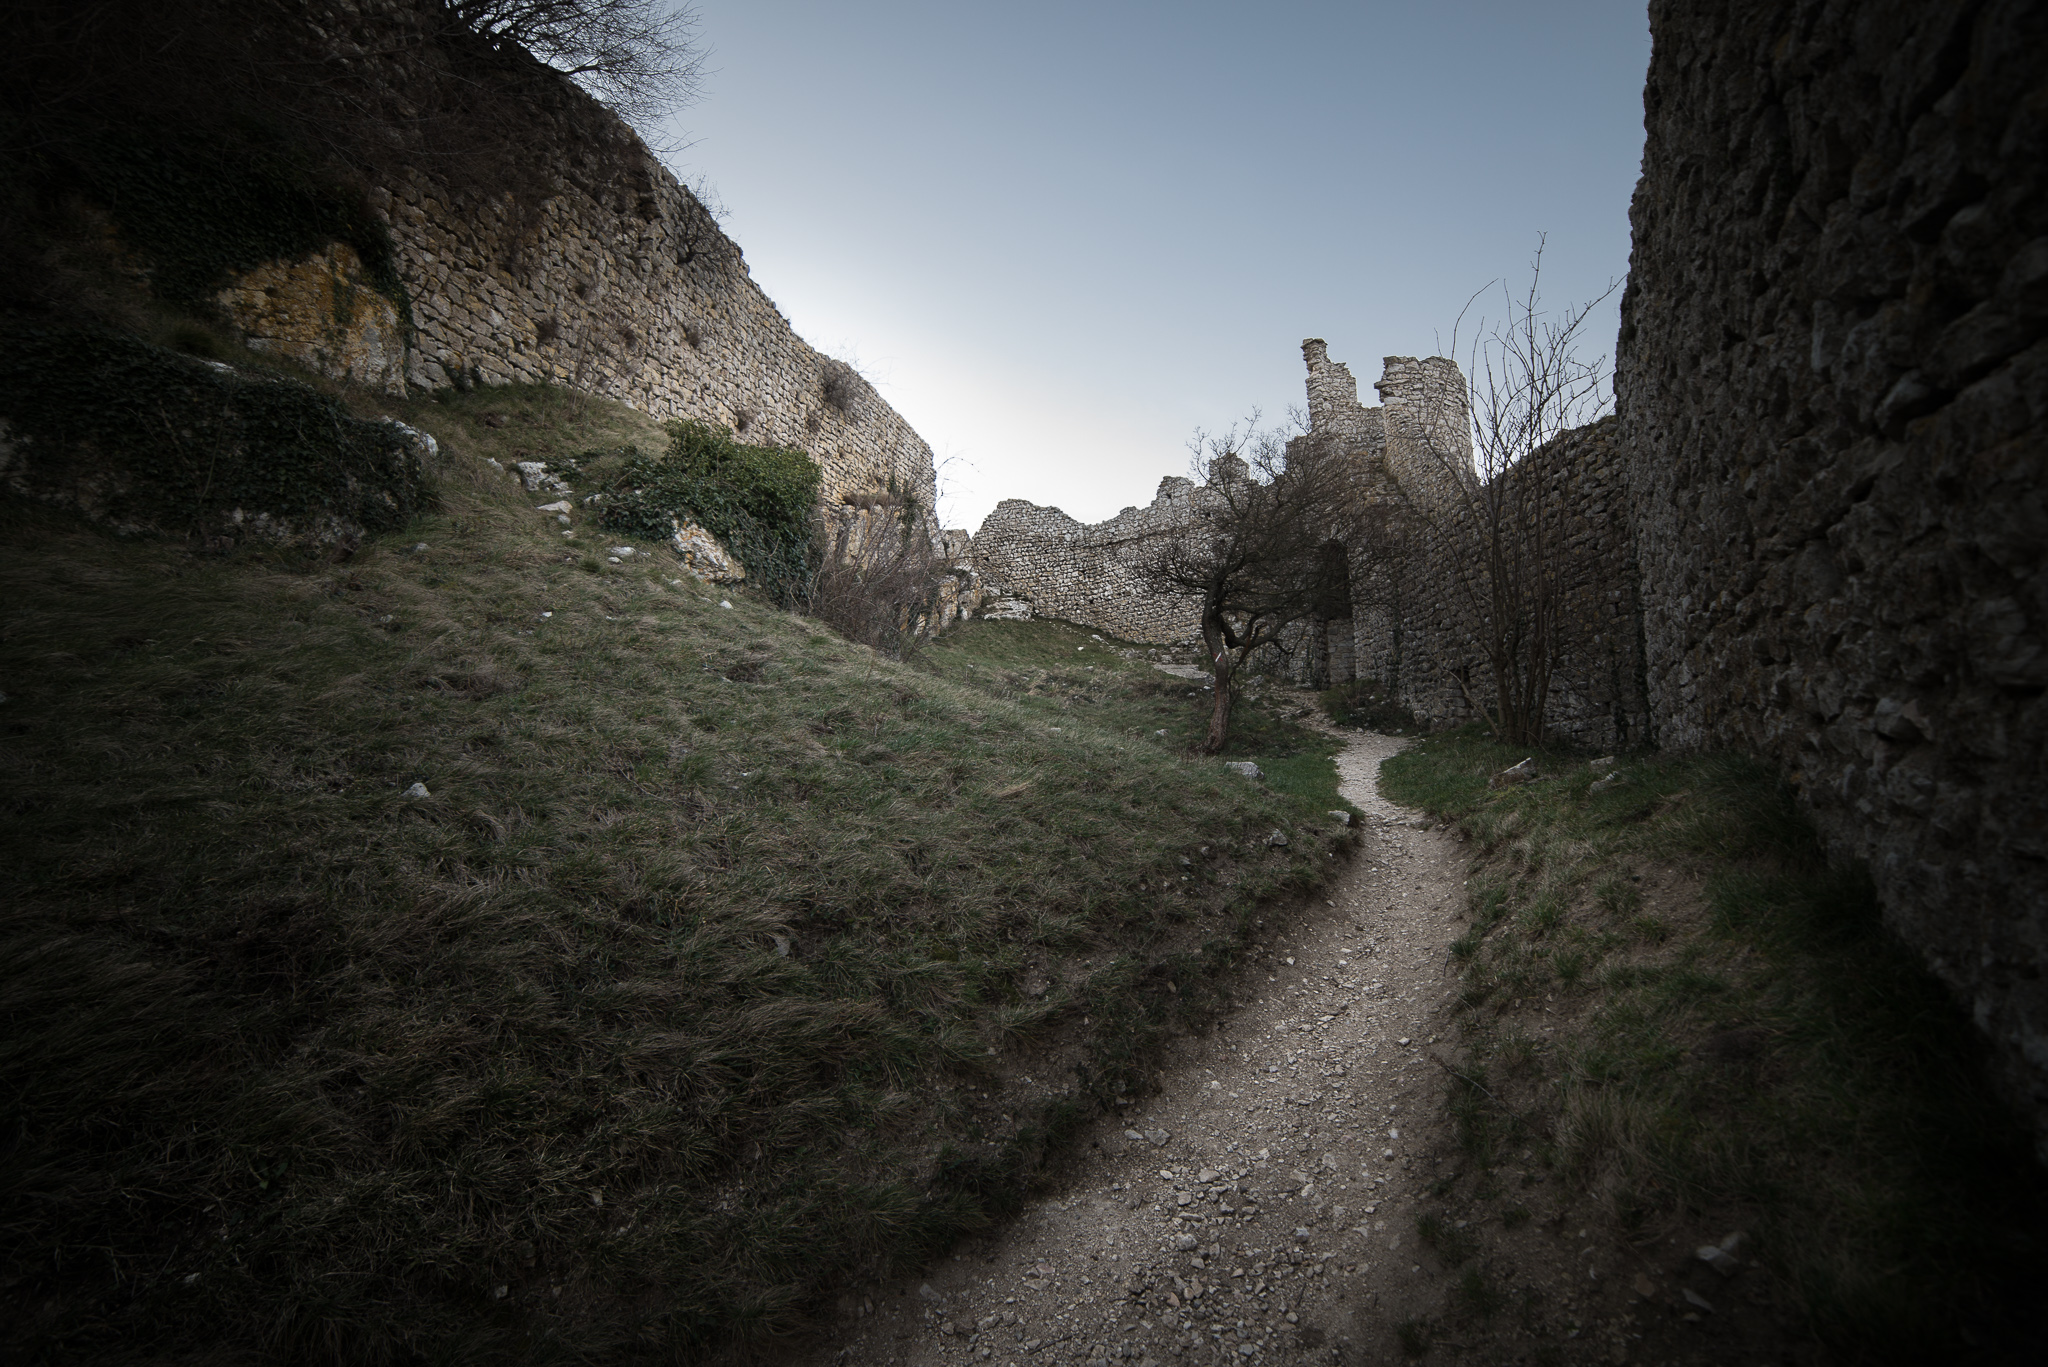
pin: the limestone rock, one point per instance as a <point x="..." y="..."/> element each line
<point x="703" y="557"/>
<point x="322" y="312"/>
<point x="1518" y="773"/>
<point x="1005" y="609"/>
<point x="535" y="476"/>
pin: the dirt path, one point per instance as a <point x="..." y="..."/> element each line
<point x="1262" y="1206"/>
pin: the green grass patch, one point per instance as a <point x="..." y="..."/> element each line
<point x="1740" y="1044"/>
<point x="725" y="963"/>
<point x="1060" y="670"/>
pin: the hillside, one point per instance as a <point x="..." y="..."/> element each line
<point x="721" y="962"/>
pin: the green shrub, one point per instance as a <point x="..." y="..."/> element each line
<point x="760" y="501"/>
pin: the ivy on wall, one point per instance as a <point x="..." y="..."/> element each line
<point x="760" y="501"/>
<point x="141" y="436"/>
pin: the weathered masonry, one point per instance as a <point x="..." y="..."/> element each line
<point x="1832" y="382"/>
<point x="626" y="289"/>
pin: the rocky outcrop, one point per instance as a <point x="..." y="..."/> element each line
<point x="1832" y="379"/>
<point x="323" y="313"/>
<point x="144" y="440"/>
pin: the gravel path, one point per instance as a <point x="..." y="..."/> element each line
<point x="1261" y="1207"/>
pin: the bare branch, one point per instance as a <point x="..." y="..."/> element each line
<point x="641" y="57"/>
<point x="1488" y="517"/>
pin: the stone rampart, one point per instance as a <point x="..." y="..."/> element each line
<point x="1089" y="574"/>
<point x="1832" y="380"/>
<point x="621" y="285"/>
<point x="1418" y="604"/>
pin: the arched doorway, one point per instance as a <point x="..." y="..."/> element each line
<point x="1331" y="656"/>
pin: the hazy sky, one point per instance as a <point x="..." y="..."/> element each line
<point x="1059" y="237"/>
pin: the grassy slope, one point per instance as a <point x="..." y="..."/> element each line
<point x="1052" y="667"/>
<point x="706" y="979"/>
<point x="1741" y="1047"/>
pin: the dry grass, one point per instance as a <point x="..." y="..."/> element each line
<point x="704" y="982"/>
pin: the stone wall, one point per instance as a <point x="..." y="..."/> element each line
<point x="621" y="285"/>
<point x="1832" y="377"/>
<point x="1419" y="591"/>
<point x="1088" y="574"/>
<point x="1417" y="606"/>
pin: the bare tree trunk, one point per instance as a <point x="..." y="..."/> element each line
<point x="1224" y="662"/>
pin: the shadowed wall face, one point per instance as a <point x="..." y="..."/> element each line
<point x="1831" y="380"/>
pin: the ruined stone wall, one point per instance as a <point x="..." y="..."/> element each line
<point x="1088" y="574"/>
<point x="621" y="285"/>
<point x="1419" y="590"/>
<point x="1832" y="378"/>
<point x="1418" y="606"/>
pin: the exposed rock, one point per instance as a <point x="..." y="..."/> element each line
<point x="535" y="476"/>
<point x="1519" y="773"/>
<point x="703" y="557"/>
<point x="1004" y="608"/>
<point x="322" y="312"/>
<point x="1245" y="767"/>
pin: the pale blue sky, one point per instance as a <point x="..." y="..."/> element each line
<point x="1059" y="237"/>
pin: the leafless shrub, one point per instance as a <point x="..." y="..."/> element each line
<point x="813" y="423"/>
<point x="696" y="228"/>
<point x="628" y="336"/>
<point x="742" y="419"/>
<point x="694" y="335"/>
<point x="547" y="330"/>
<point x="878" y="584"/>
<point x="1491" y="519"/>
<point x="842" y="385"/>
<point x="641" y="57"/>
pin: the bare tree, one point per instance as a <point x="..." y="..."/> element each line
<point x="640" y="57"/>
<point x="1488" y="517"/>
<point x="1255" y="553"/>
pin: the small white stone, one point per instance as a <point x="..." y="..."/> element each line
<point x="418" y="790"/>
<point x="725" y="602"/>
